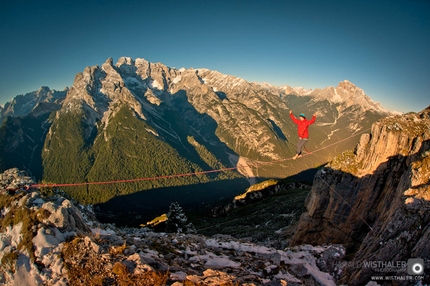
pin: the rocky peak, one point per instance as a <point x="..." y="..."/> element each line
<point x="126" y="60"/>
<point x="99" y="91"/>
<point x="222" y="82"/>
<point x="22" y="105"/>
<point x="352" y="94"/>
<point x="301" y="91"/>
<point x="349" y="86"/>
<point x="346" y="94"/>
<point x="155" y="75"/>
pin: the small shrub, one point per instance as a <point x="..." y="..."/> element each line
<point x="8" y="260"/>
<point x="120" y="269"/>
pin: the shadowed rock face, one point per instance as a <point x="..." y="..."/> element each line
<point x="375" y="200"/>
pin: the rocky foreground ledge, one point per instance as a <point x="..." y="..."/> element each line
<point x="51" y="240"/>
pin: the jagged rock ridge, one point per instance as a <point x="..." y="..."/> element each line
<point x="376" y="199"/>
<point x="38" y="102"/>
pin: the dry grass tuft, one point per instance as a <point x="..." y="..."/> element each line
<point x="8" y="261"/>
<point x="115" y="250"/>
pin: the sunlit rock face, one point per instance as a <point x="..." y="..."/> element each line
<point x="375" y="199"/>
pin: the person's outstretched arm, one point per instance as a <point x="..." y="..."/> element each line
<point x="314" y="117"/>
<point x="293" y="117"/>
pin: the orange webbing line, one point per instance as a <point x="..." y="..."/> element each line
<point x="134" y="180"/>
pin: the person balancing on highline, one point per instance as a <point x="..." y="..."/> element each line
<point x="302" y="130"/>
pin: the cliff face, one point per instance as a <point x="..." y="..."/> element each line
<point x="256" y="193"/>
<point x="375" y="199"/>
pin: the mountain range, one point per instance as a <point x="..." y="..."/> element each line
<point x="136" y="119"/>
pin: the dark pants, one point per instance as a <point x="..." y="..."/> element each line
<point x="300" y="145"/>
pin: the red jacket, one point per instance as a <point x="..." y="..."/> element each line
<point x="303" y="125"/>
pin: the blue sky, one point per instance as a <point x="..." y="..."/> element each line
<point x="381" y="46"/>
